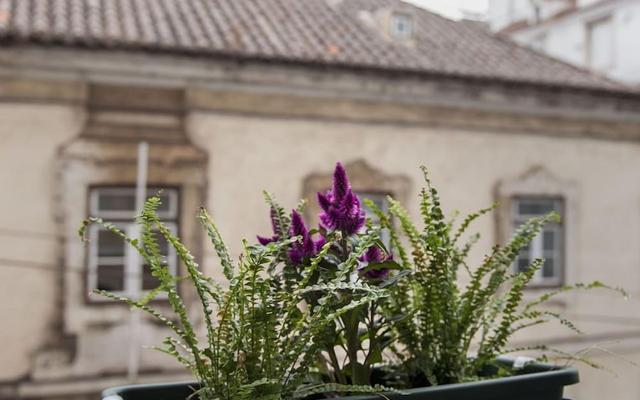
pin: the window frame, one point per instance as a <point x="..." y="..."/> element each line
<point x="125" y="221"/>
<point x="516" y="219"/>
<point x="589" y="28"/>
<point x="407" y="19"/>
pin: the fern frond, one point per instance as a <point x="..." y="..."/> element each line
<point x="279" y="215"/>
<point x="567" y="288"/>
<point x="513" y="298"/>
<point x="144" y="307"/>
<point x="310" y="390"/>
<point x="469" y="219"/>
<point x="218" y="244"/>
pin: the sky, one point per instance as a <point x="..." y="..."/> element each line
<point x="453" y="8"/>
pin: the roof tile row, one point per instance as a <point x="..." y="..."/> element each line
<point x="331" y="32"/>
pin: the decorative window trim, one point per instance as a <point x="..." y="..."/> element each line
<point x="539" y="182"/>
<point x="104" y="153"/>
<point x="407" y="20"/>
<point x="88" y="162"/>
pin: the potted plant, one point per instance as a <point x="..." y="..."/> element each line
<point x="328" y="312"/>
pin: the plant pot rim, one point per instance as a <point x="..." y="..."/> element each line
<point x="534" y="375"/>
<point x="531" y="378"/>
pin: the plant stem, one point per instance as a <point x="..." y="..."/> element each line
<point x="336" y="366"/>
<point x="353" y="343"/>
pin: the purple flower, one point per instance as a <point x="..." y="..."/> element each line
<point x="306" y="247"/>
<point x="263" y="240"/>
<point x="375" y="255"/>
<point x="340" y="206"/>
<point x="274" y="226"/>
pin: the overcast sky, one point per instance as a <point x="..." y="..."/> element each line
<point x="453" y="8"/>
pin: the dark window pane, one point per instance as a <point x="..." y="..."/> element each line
<point x="149" y="282"/>
<point x="111" y="277"/>
<point x="165" y="199"/>
<point x="524" y="252"/>
<point x="110" y="244"/>
<point x="548" y="268"/>
<point x="163" y="245"/>
<point x="379" y="199"/>
<point x="523" y="264"/>
<point x="548" y="240"/>
<point x="117" y="202"/>
<point x="535" y="207"/>
<point x="164" y="202"/>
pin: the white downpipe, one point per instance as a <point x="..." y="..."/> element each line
<point x="135" y="265"/>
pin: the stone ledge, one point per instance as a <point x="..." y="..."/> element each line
<point x="18" y="89"/>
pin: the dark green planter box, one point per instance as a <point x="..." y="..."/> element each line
<point x="535" y="382"/>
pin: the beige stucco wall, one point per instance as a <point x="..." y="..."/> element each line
<point x="248" y="154"/>
<point x="29" y="249"/>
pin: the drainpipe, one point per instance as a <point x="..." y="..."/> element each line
<point x="135" y="265"/>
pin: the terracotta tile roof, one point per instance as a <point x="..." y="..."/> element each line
<point x="330" y="32"/>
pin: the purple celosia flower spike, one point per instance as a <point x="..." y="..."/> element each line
<point x="341" y="185"/>
<point x="341" y="208"/>
<point x="375" y="255"/>
<point x="266" y="240"/>
<point x="298" y="228"/>
<point x="305" y="248"/>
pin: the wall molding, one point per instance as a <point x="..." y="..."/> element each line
<point x="50" y="75"/>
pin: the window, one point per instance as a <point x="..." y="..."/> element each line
<point x="510" y="12"/>
<point x="380" y="200"/>
<point x="600" y="42"/>
<point x="113" y="265"/>
<point x="537" y="13"/>
<point x="401" y="26"/>
<point x="549" y="244"/>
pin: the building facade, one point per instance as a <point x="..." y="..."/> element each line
<point x="598" y="35"/>
<point x="234" y="101"/>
